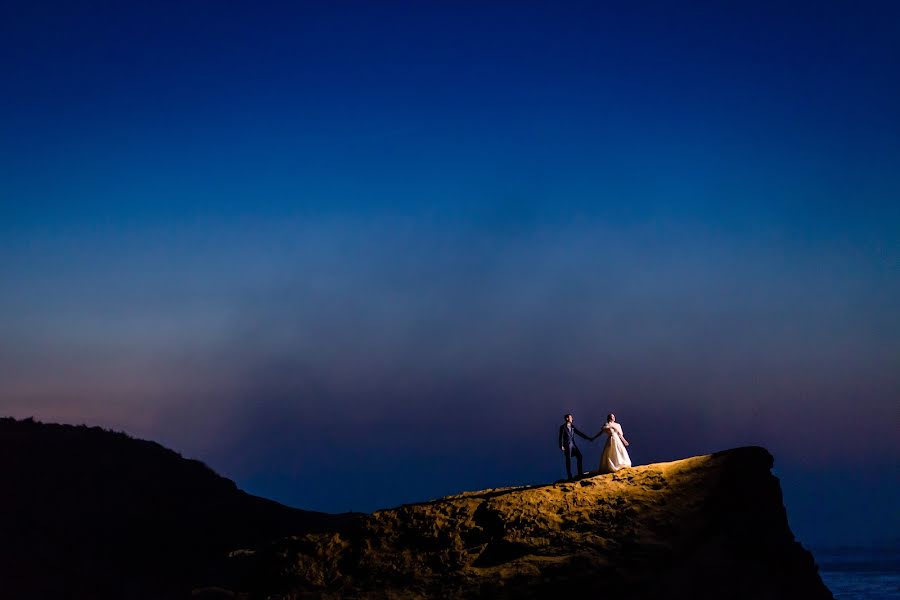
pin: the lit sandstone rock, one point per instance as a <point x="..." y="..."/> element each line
<point x="704" y="527"/>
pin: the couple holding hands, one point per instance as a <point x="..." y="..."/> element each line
<point x="614" y="455"/>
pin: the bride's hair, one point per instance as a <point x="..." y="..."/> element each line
<point x="609" y="417"/>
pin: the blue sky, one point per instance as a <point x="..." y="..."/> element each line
<point x="353" y="255"/>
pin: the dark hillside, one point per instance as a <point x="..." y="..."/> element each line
<point x="90" y="513"/>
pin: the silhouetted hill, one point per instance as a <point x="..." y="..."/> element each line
<point x="90" y="513"/>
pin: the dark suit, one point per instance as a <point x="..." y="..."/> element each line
<point x="567" y="443"/>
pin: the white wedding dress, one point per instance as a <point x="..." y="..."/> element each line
<point x="614" y="455"/>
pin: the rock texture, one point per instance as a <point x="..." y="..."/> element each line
<point x="705" y="527"/>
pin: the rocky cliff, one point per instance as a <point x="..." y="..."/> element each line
<point x="89" y="513"/>
<point x="705" y="527"/>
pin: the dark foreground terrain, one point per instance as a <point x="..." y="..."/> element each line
<point x="89" y="513"/>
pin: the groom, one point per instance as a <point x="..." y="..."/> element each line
<point x="567" y="433"/>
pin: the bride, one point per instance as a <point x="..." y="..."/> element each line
<point x="614" y="455"/>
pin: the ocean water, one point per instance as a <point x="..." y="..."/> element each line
<point x="860" y="573"/>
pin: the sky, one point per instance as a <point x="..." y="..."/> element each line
<point x="357" y="254"/>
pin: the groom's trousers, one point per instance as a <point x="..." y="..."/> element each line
<point x="570" y="452"/>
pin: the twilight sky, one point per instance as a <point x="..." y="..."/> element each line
<point x="357" y="254"/>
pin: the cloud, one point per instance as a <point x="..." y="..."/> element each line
<point x="314" y="342"/>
